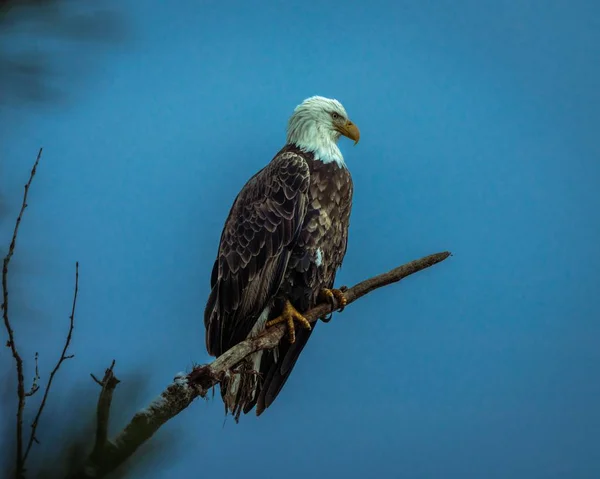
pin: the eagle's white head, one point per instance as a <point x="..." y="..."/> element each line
<point x="316" y="127"/>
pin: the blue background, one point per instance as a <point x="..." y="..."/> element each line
<point x="479" y="124"/>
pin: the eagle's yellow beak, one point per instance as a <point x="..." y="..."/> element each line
<point x="349" y="130"/>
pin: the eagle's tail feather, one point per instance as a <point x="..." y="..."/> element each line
<point x="239" y="389"/>
<point x="259" y="379"/>
<point x="277" y="368"/>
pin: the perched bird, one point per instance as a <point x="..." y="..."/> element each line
<point x="281" y="246"/>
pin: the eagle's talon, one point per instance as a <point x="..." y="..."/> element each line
<point x="335" y="297"/>
<point x="288" y="316"/>
<point x="326" y="295"/>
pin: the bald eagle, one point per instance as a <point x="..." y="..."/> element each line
<point x="281" y="246"/>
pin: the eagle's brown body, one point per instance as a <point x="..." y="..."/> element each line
<point x="285" y="237"/>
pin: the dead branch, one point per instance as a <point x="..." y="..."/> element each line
<point x="108" y="384"/>
<point x="63" y="357"/>
<point x="21" y="394"/>
<point x="209" y="375"/>
<point x="108" y="455"/>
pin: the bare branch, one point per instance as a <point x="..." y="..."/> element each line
<point x="108" y="455"/>
<point x="108" y="383"/>
<point x="63" y="357"/>
<point x="209" y="375"/>
<point x="21" y="394"/>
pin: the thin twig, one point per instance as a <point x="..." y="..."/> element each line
<point x="96" y="380"/>
<point x="63" y="357"/>
<point x="35" y="387"/>
<point x="182" y="392"/>
<point x="21" y="394"/>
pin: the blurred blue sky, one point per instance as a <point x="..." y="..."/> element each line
<point x="479" y="123"/>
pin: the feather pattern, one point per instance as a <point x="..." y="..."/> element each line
<point x="324" y="234"/>
<point x="256" y="244"/>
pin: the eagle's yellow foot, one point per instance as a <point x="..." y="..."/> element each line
<point x="335" y="297"/>
<point x="288" y="316"/>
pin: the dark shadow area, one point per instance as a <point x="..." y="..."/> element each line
<point x="35" y="66"/>
<point x="47" y="50"/>
<point x="67" y="428"/>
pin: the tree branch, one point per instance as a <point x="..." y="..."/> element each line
<point x="107" y="455"/>
<point x="21" y="394"/>
<point x="108" y="384"/>
<point x="35" y="387"/>
<point x="63" y="357"/>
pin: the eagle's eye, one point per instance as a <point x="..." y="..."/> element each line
<point x="334" y="115"/>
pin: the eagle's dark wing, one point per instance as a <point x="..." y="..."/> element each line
<point x="276" y="368"/>
<point x="256" y="243"/>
